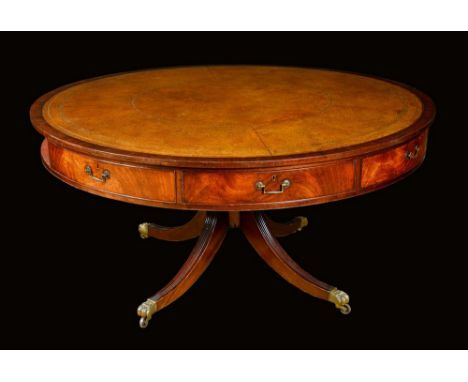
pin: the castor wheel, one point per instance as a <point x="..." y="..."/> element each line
<point x="144" y="322"/>
<point x="345" y="309"/>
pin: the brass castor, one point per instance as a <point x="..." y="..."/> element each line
<point x="302" y="222"/>
<point x="341" y="300"/>
<point x="345" y="309"/>
<point x="144" y="322"/>
<point x="143" y="230"/>
<point x="145" y="311"/>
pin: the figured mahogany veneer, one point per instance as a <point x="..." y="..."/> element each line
<point x="239" y="188"/>
<point x="233" y="139"/>
<point x="234" y="190"/>
<point x="391" y="164"/>
<point x="127" y="181"/>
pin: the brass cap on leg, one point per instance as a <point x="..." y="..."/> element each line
<point x="302" y="222"/>
<point x="143" y="230"/>
<point x="146" y="311"/>
<point x="341" y="300"/>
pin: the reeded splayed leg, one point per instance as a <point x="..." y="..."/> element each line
<point x="284" y="229"/>
<point x="189" y="230"/>
<point x="211" y="237"/>
<point x="255" y="227"/>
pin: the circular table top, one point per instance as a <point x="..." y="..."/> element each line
<point x="230" y="112"/>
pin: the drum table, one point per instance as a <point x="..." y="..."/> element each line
<point x="231" y="142"/>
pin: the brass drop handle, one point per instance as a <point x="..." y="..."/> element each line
<point x="412" y="154"/>
<point x="105" y="174"/>
<point x="283" y="186"/>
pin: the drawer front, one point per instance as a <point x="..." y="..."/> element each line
<point x="231" y="187"/>
<point x="392" y="163"/>
<point x="136" y="182"/>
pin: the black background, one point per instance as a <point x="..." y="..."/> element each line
<point x="74" y="268"/>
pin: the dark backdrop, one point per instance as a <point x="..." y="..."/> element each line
<point x="74" y="269"/>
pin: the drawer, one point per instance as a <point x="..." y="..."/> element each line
<point x="114" y="178"/>
<point x="392" y="163"/>
<point x="233" y="187"/>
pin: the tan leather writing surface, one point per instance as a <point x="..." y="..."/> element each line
<point x="232" y="112"/>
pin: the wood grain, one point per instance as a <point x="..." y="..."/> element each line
<point x="187" y="231"/>
<point x="255" y="228"/>
<point x="287" y="228"/>
<point x="211" y="238"/>
<point x="138" y="182"/>
<point x="228" y="190"/>
<point x="390" y="164"/>
<point x="231" y="187"/>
